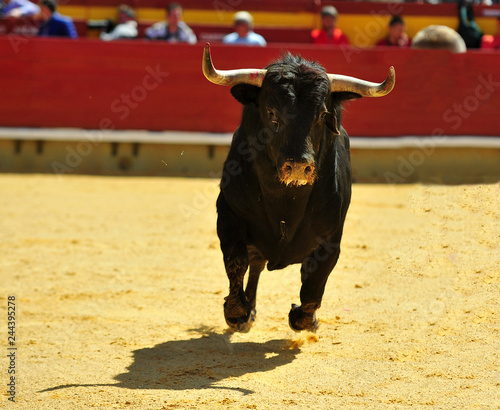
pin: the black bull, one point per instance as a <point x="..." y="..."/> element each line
<point x="286" y="183"/>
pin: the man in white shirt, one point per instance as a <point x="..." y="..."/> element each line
<point x="243" y="31"/>
<point x="173" y="29"/>
<point x="126" y="27"/>
<point x="18" y="8"/>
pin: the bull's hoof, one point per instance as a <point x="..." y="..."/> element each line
<point x="239" y="313"/>
<point x="300" y="320"/>
<point x="242" y="324"/>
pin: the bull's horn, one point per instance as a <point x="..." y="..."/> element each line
<point x="361" y="87"/>
<point x="230" y="77"/>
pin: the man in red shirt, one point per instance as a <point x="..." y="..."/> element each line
<point x="397" y="36"/>
<point x="329" y="33"/>
<point x="489" y="42"/>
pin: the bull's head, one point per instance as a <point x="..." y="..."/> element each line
<point x="298" y="102"/>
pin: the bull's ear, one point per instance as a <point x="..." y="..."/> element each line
<point x="344" y="96"/>
<point x="246" y="94"/>
<point x="332" y="120"/>
<point x="332" y="123"/>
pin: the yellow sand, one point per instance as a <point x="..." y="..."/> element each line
<point x="119" y="285"/>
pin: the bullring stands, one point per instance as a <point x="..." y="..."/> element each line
<point x="279" y="21"/>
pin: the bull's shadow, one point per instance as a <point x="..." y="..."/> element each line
<point x="199" y="363"/>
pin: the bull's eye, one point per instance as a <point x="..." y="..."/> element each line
<point x="273" y="118"/>
<point x="323" y="115"/>
<point x="271" y="114"/>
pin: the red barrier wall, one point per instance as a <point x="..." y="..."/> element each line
<point x="158" y="86"/>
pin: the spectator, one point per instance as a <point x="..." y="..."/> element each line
<point x="329" y="33"/>
<point x="173" y="29"/>
<point x="54" y="24"/>
<point x="439" y="37"/>
<point x="243" y="31"/>
<point x="397" y="34"/>
<point x="467" y="26"/>
<point x="489" y="42"/>
<point x="126" y="27"/>
<point x="18" y="8"/>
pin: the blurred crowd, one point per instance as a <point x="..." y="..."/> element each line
<point x="467" y="35"/>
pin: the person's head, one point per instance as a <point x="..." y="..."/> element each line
<point x="439" y="37"/>
<point x="48" y="7"/>
<point x="329" y="16"/>
<point x="243" y="23"/>
<point x="125" y="13"/>
<point x="396" y="28"/>
<point x="174" y="14"/>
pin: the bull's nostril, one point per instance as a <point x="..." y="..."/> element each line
<point x="308" y="170"/>
<point x="288" y="169"/>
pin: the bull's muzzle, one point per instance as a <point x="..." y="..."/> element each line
<point x="297" y="173"/>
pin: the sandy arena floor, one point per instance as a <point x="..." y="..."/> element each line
<point x="119" y="285"/>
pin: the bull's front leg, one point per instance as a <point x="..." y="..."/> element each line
<point x="232" y="231"/>
<point x="314" y="275"/>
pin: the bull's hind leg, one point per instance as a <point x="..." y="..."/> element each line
<point x="314" y="274"/>
<point x="232" y="231"/>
